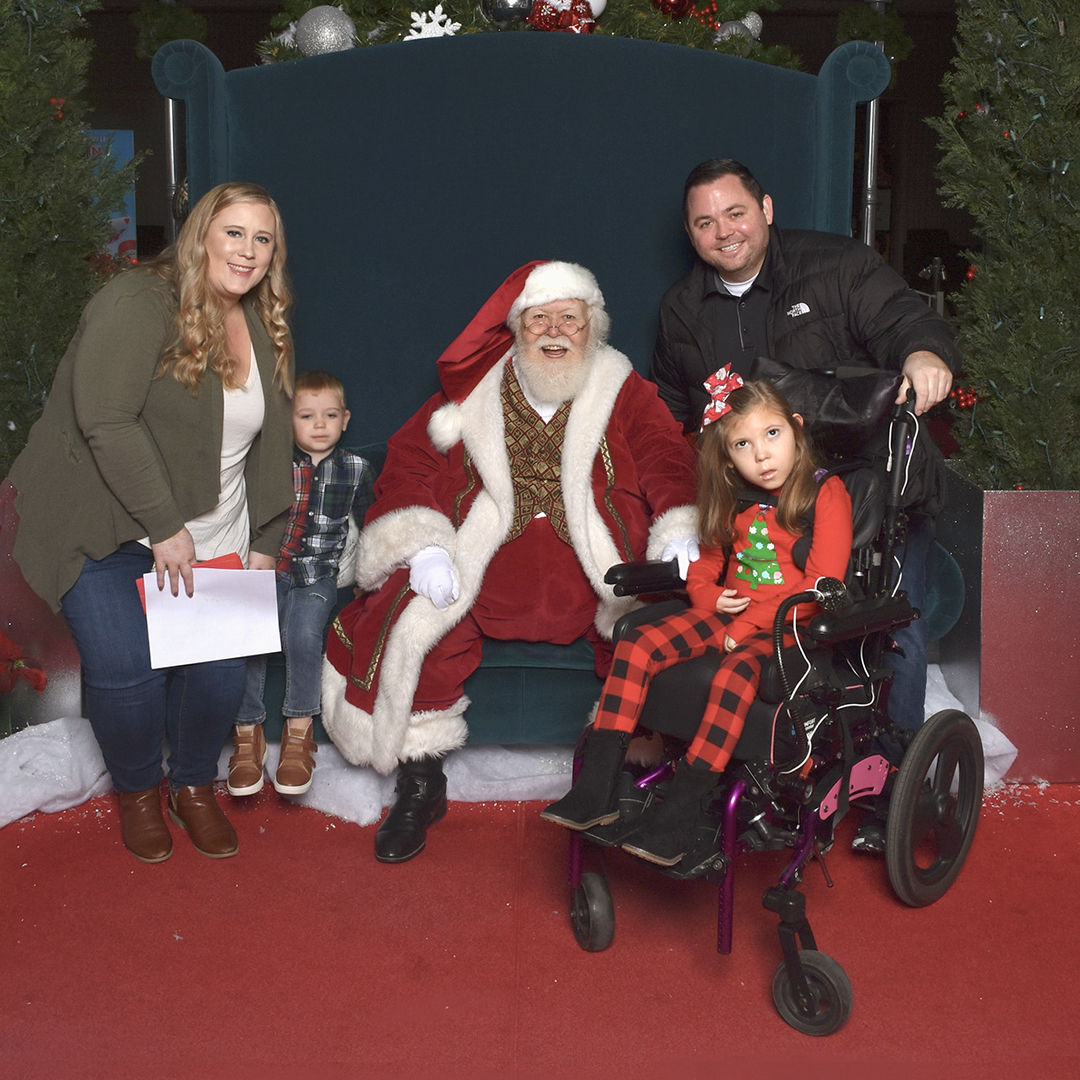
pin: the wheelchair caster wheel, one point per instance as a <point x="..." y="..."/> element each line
<point x="934" y="808"/>
<point x="831" y="995"/>
<point x="592" y="914"/>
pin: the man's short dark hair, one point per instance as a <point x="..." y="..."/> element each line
<point x="708" y="172"/>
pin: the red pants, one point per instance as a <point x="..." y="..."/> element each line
<point x="652" y="647"/>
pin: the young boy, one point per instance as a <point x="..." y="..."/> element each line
<point x="331" y="484"/>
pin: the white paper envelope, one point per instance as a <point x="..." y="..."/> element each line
<point x="233" y="613"/>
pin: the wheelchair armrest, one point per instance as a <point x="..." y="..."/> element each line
<point x="652" y="576"/>
<point x="861" y="618"/>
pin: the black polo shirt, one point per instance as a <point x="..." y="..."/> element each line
<point x="739" y="323"/>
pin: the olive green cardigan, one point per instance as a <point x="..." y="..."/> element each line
<point x="119" y="454"/>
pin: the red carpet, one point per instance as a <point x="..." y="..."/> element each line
<point x="303" y="956"/>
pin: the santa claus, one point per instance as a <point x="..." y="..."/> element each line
<point x="544" y="460"/>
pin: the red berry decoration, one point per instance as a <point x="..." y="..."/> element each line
<point x="706" y="14"/>
<point x="972" y="270"/>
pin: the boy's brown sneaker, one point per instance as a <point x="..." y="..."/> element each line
<point x="246" y="763"/>
<point x="297" y="762"/>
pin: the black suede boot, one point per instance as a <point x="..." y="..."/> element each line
<point x="667" y="831"/>
<point x="421" y="801"/>
<point x="592" y="800"/>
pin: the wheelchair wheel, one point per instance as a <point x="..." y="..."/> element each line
<point x="830" y="993"/>
<point x="934" y="808"/>
<point x="592" y="914"/>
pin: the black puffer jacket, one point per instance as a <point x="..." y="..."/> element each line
<point x="834" y="303"/>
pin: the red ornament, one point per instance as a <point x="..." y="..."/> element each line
<point x="562" y="16"/>
<point x="972" y="270"/>
<point x="58" y="107"/>
<point x="674" y="9"/>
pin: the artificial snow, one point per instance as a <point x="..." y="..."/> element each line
<point x="54" y="766"/>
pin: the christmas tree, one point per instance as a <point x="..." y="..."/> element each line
<point x="56" y="201"/>
<point x="1011" y="144"/>
<point x="757" y="561"/>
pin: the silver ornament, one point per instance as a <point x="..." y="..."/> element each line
<point x="505" y="13"/>
<point x="752" y="21"/>
<point x="324" y="29"/>
<point x="732" y="29"/>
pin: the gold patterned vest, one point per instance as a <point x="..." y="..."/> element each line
<point x="535" y="451"/>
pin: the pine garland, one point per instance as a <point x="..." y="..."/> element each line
<point x="159" y="23"/>
<point x="55" y="202"/>
<point x="1010" y="139"/>
<point x="380" y="22"/>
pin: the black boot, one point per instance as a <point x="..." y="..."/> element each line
<point x="667" y="831"/>
<point x="421" y="801"/>
<point x="592" y="799"/>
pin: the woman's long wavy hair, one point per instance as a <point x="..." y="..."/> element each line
<point x="200" y="318"/>
<point x="719" y="482"/>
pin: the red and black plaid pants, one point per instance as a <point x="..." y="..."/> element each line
<point x="651" y="647"/>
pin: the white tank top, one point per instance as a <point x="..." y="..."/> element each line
<point x="226" y="528"/>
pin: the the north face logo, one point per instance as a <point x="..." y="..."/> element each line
<point x="797" y="310"/>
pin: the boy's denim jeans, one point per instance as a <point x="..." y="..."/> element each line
<point x="303" y="612"/>
<point x="134" y="708"/>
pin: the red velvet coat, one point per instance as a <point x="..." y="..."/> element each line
<point x="628" y="488"/>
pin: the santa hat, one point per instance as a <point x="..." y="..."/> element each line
<point x="488" y="337"/>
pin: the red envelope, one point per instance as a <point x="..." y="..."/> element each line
<point x="232" y="561"/>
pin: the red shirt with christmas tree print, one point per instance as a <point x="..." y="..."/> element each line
<point x="761" y="565"/>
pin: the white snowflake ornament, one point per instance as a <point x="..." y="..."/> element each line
<point x="431" y="24"/>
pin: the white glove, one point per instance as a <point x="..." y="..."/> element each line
<point x="686" y="551"/>
<point x="431" y="574"/>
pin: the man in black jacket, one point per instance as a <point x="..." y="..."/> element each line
<point x="809" y="299"/>
<point x="815" y="302"/>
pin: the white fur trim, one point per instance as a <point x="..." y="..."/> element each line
<point x="444" y="427"/>
<point x="353" y="730"/>
<point x="556" y="281"/>
<point x="678" y="523"/>
<point x="593" y="543"/>
<point x="390" y="541"/>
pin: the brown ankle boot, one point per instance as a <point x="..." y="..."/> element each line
<point x="196" y="809"/>
<point x="246" y="763"/>
<point x="297" y="762"/>
<point x="142" y="825"/>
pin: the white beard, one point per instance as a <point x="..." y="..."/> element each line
<point x="551" y="382"/>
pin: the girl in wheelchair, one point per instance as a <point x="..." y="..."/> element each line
<point x="757" y="489"/>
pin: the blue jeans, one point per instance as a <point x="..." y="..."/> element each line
<point x="134" y="708"/>
<point x="303" y="612"/>
<point x="907" y="699"/>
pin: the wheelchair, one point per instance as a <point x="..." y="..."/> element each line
<point x="817" y="740"/>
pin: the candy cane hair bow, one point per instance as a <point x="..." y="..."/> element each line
<point x="720" y="384"/>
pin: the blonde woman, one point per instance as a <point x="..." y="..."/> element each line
<point x="166" y="439"/>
